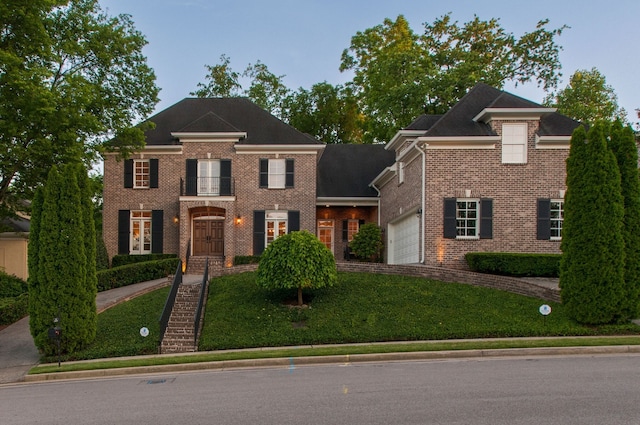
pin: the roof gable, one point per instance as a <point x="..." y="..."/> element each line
<point x="223" y="115"/>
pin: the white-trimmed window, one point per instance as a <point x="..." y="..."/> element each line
<point x="276" y="224"/>
<point x="141" y="173"/>
<point x="467" y="218"/>
<point x="556" y="217"/>
<point x="277" y="173"/>
<point x="209" y="177"/>
<point x="140" y="232"/>
<point x="514" y="143"/>
<point x="353" y="226"/>
<point x="325" y="233"/>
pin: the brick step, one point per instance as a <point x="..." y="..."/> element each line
<point x="180" y="333"/>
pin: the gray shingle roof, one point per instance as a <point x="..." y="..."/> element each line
<point x="458" y="121"/>
<point x="346" y="170"/>
<point x="223" y="115"/>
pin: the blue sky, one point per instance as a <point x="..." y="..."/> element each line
<point x="303" y="39"/>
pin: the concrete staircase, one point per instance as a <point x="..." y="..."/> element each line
<point x="180" y="334"/>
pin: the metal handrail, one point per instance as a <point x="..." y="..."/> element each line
<point x="203" y="290"/>
<point x="186" y="261"/>
<point x="207" y="186"/>
<point x="171" y="299"/>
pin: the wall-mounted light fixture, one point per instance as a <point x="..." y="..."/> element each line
<point x="176" y="219"/>
<point x="238" y="220"/>
<point x="419" y="213"/>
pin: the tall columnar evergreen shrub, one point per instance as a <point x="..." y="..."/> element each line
<point x="63" y="275"/>
<point x="592" y="266"/>
<point x="297" y="260"/>
<point x="33" y="259"/>
<point x="622" y="143"/>
<point x="89" y="233"/>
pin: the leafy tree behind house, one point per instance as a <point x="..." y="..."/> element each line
<point x="397" y="76"/>
<point x="592" y="269"/>
<point x="587" y="98"/>
<point x="622" y="143"/>
<point x="71" y="78"/>
<point x="62" y="281"/>
<point x="297" y="260"/>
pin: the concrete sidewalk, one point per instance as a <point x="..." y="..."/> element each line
<point x="18" y="353"/>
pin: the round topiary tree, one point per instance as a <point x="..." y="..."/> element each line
<point x="297" y="260"/>
<point x="367" y="243"/>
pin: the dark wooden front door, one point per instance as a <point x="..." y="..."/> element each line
<point x="208" y="237"/>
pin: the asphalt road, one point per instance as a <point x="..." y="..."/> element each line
<point x="541" y="390"/>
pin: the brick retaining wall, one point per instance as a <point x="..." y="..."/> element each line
<point x="503" y="283"/>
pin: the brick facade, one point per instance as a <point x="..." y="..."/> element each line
<point x="457" y="155"/>
<point x="177" y="222"/>
<point x="457" y="172"/>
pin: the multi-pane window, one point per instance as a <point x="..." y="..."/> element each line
<point x="556" y="218"/>
<point x="141" y="173"/>
<point x="352" y="228"/>
<point x="325" y="233"/>
<point x="467" y="218"/>
<point x="275" y="224"/>
<point x="140" y="232"/>
<point x="514" y="143"/>
<point x="209" y="177"/>
<point x="277" y="173"/>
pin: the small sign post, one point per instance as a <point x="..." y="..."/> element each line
<point x="545" y="310"/>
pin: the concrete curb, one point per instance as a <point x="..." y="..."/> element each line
<point x="345" y="359"/>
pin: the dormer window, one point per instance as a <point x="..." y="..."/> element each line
<point x="514" y="143"/>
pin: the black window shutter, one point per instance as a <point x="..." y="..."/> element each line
<point x="294" y="221"/>
<point x="264" y="172"/>
<point x="123" y="231"/>
<point x="289" y="171"/>
<point x="192" y="177"/>
<point x="225" y="177"/>
<point x="360" y="223"/>
<point x="258" y="232"/>
<point x="486" y="218"/>
<point x="153" y="173"/>
<point x="128" y="173"/>
<point x="157" y="231"/>
<point x="544" y="219"/>
<point x="449" y="218"/>
<point x="345" y="230"/>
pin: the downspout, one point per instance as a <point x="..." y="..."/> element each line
<point x="422" y="202"/>
<point x="376" y="189"/>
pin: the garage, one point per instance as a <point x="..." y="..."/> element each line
<point x="404" y="240"/>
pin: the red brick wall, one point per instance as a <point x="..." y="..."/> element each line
<point x="503" y="283"/>
<point x="514" y="189"/>
<point x="248" y="196"/>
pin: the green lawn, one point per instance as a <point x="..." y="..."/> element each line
<point x="370" y="307"/>
<point x="118" y="332"/>
<point x="361" y="308"/>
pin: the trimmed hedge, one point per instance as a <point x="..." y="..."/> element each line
<point x="239" y="260"/>
<point x="124" y="259"/>
<point x="129" y="274"/>
<point x="11" y="286"/>
<point x="13" y="309"/>
<point x="14" y="299"/>
<point x="514" y="264"/>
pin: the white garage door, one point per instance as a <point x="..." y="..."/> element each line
<point x="404" y="241"/>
